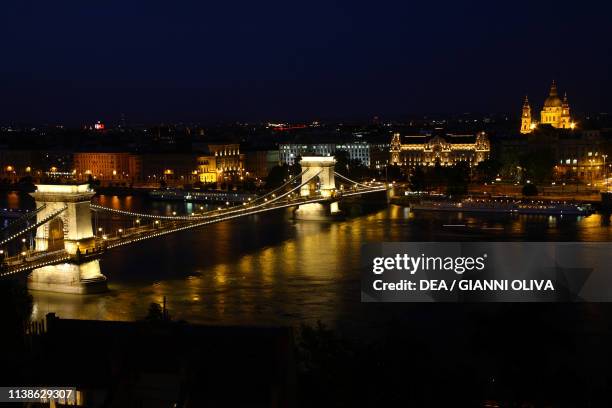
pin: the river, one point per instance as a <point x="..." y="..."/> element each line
<point x="268" y="269"/>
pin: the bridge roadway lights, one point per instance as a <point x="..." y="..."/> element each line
<point x="74" y="225"/>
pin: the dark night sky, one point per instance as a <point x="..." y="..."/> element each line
<point x="74" y="62"/>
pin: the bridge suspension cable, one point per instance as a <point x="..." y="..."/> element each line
<point x="222" y="217"/>
<point x="246" y="208"/>
<point x="251" y="207"/>
<point x="145" y="215"/>
<point x="286" y="193"/>
<point x="21" y="219"/>
<point x="209" y="214"/>
<point x="291" y="180"/>
<point x="193" y="217"/>
<point x="351" y="181"/>
<point x="34" y="226"/>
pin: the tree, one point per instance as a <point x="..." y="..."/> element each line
<point x="278" y="175"/>
<point x="342" y="162"/>
<point x="157" y="312"/>
<point x="357" y="170"/>
<point x="154" y="313"/>
<point x="538" y="164"/>
<point x="326" y="366"/>
<point x="530" y="190"/>
<point x="437" y="176"/>
<point x="93" y="183"/>
<point x="488" y="169"/>
<point x="394" y="173"/>
<point x="418" y="181"/>
<point x="457" y="178"/>
<point x="510" y="162"/>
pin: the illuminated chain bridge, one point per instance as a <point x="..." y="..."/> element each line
<point x="67" y="245"/>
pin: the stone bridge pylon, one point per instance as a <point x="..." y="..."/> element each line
<point x="70" y="231"/>
<point x="319" y="172"/>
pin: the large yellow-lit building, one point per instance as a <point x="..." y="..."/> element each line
<point x="207" y="169"/>
<point x="556" y="112"/>
<point x="447" y="150"/>
<point x="107" y="166"/>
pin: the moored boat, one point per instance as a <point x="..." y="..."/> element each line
<point x="506" y="206"/>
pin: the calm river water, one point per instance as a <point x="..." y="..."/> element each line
<point x="268" y="269"/>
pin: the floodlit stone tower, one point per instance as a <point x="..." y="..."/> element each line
<point x="526" y="117"/>
<point x="566" y="120"/>
<point x="319" y="170"/>
<point x="396" y="148"/>
<point x="70" y="231"/>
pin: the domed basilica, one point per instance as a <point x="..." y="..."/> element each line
<point x="556" y="112"/>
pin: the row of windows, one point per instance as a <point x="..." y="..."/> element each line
<point x="228" y="153"/>
<point x="324" y="146"/>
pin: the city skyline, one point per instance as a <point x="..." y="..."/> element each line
<point x="257" y="204"/>
<point x="80" y="63"/>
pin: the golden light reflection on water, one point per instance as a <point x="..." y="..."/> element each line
<point x="276" y="271"/>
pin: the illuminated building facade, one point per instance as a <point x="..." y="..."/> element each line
<point x="447" y="150"/>
<point x="556" y="113"/>
<point x="207" y="169"/>
<point x="289" y="152"/>
<point x="108" y="166"/>
<point x="229" y="160"/>
<point x="580" y="157"/>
